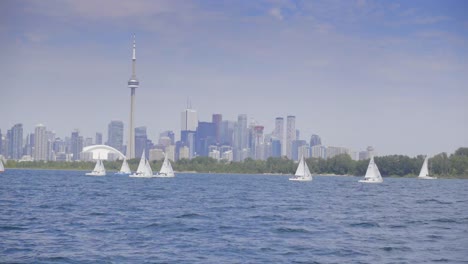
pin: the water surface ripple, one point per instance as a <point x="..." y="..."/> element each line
<point x="66" y="217"/>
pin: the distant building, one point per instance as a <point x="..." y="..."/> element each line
<point x="275" y="147"/>
<point x="41" y="148"/>
<point x="290" y="134"/>
<point x="279" y="132"/>
<point x="315" y="140"/>
<point x="217" y="120"/>
<point x="99" y="138"/>
<point x="115" y="131"/>
<point x="15" y="142"/>
<point x="76" y="144"/>
<point x="205" y="137"/>
<point x="335" y="151"/>
<point x="318" y="151"/>
<point x="169" y="134"/>
<point x="188" y="128"/>
<point x="155" y="154"/>
<point x="141" y="139"/>
<point x="227" y="132"/>
<point x="170" y="152"/>
<point x="298" y="148"/>
<point x="184" y="152"/>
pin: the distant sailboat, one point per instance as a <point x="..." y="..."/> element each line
<point x="98" y="170"/>
<point x="302" y="172"/>
<point x="166" y="169"/>
<point x="125" y="169"/>
<point x="424" y="173"/>
<point x="144" y="169"/>
<point x="2" y="168"/>
<point x="372" y="173"/>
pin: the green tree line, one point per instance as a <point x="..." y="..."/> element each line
<point x="442" y="165"/>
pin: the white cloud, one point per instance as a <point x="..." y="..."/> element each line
<point x="276" y="13"/>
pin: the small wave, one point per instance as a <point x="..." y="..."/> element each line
<point x="406" y="249"/>
<point x="291" y="230"/>
<point x="444" y="220"/>
<point x="441" y="260"/>
<point x="398" y="226"/>
<point x="365" y="224"/>
<point x="12" y="228"/>
<point x="190" y="215"/>
<point x="432" y="201"/>
<point x="96" y="214"/>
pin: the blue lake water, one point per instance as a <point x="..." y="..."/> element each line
<point x="66" y="217"/>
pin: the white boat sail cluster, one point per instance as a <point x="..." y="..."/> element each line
<point x="302" y="172"/>
<point x="98" y="170"/>
<point x="424" y="173"/>
<point x="166" y="169"/>
<point x="372" y="173"/>
<point x="144" y="168"/>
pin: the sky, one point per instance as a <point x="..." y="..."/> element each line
<point x="387" y="74"/>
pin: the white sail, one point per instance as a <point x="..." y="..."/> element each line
<point x="98" y="170"/>
<point x="424" y="169"/>
<point x="302" y="172"/>
<point x="166" y="169"/>
<point x="125" y="169"/>
<point x="142" y="165"/>
<point x="372" y="173"/>
<point x="2" y="168"/>
<point x="424" y="173"/>
<point x="149" y="171"/>
<point x="144" y="169"/>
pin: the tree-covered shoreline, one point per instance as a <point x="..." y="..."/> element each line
<point x="441" y="165"/>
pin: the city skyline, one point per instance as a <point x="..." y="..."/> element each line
<point x="357" y="73"/>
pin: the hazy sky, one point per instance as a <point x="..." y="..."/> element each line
<point x="391" y="74"/>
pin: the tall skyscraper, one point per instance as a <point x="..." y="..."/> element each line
<point x="189" y="120"/>
<point x="115" y="134"/>
<point x="16" y="142"/>
<point x="217" y="120"/>
<point x="141" y="139"/>
<point x="205" y="137"/>
<point x="133" y="83"/>
<point x="290" y="134"/>
<point x="1" y="142"/>
<point x="188" y="128"/>
<point x="98" y="138"/>
<point x="279" y="131"/>
<point x="41" y="146"/>
<point x="76" y="144"/>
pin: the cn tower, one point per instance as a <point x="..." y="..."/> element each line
<point x="132" y="84"/>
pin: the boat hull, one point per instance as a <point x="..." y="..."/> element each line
<point x="95" y="174"/>
<point x="427" y="178"/>
<point x="371" y="181"/>
<point x="299" y="179"/>
<point x="140" y="176"/>
<point x="164" y="176"/>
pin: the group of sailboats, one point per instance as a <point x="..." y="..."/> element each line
<point x="143" y="171"/>
<point x="98" y="170"/>
<point x="372" y="174"/>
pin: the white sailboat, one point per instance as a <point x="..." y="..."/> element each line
<point x="302" y="172"/>
<point x="166" y="169"/>
<point x="144" y="169"/>
<point x="98" y="170"/>
<point x="2" y="168"/>
<point x="424" y="173"/>
<point x="372" y="173"/>
<point x="125" y="169"/>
